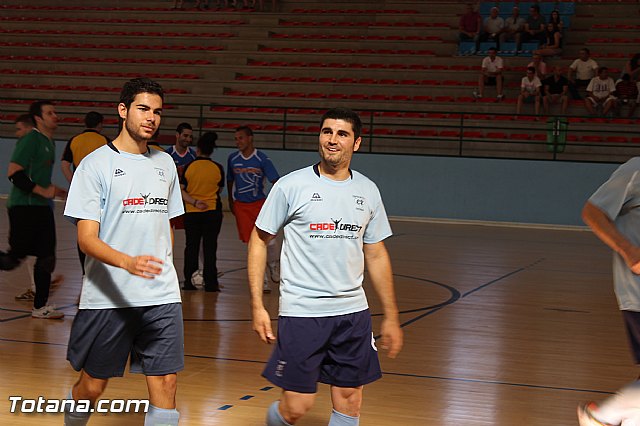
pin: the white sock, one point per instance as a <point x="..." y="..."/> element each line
<point x="161" y="417"/>
<point x="624" y="405"/>
<point x="273" y="416"/>
<point x="75" y="418"/>
<point x="340" y="419"/>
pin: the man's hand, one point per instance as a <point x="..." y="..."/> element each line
<point x="392" y="337"/>
<point x="632" y="258"/>
<point x="144" y="266"/>
<point x="200" y="205"/>
<point x="262" y="325"/>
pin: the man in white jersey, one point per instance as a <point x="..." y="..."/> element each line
<point x="613" y="215"/>
<point x="334" y="223"/>
<point x="122" y="196"/>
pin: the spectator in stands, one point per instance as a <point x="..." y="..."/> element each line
<point x="182" y="152"/>
<point x="23" y="125"/>
<point x="556" y="90"/>
<point x="530" y="90"/>
<point x="491" y="74"/>
<point x="553" y="42"/>
<point x="492" y="27"/>
<point x="627" y="93"/>
<point x="201" y="184"/>
<point x="513" y="28"/>
<point x="200" y="4"/>
<point x="556" y="20"/>
<point x="584" y="69"/>
<point x="600" y="93"/>
<point x="470" y="25"/>
<point x="632" y="68"/>
<point x="539" y="65"/>
<point x="534" y="26"/>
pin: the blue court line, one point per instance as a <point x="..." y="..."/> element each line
<point x="497" y="382"/>
<point x="225" y="407"/>
<point x="246" y="397"/>
<point x="266" y="388"/>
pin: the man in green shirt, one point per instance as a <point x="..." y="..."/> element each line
<point x="31" y="223"/>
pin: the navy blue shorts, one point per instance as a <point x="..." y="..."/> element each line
<point x="338" y="351"/>
<point x="101" y="340"/>
<point x="632" y="321"/>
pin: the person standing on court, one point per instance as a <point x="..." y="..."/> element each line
<point x="334" y="224"/>
<point x="201" y="183"/>
<point x="32" y="229"/>
<point x="247" y="170"/>
<point x="121" y="198"/>
<point x="612" y="214"/>
<point x="182" y="153"/>
<point x="79" y="147"/>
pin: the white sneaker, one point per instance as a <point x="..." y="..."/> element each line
<point x="46" y="312"/>
<point x="274" y="271"/>
<point x="27" y="295"/>
<point x="586" y="417"/>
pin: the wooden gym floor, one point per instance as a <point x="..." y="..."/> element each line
<point x="503" y="326"/>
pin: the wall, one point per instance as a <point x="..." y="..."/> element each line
<point x="540" y="192"/>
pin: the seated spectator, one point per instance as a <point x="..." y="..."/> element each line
<point x="556" y="20"/>
<point x="627" y="94"/>
<point x="534" y="26"/>
<point x="491" y="74"/>
<point x="632" y="68"/>
<point x="513" y="28"/>
<point x="470" y="24"/>
<point x="492" y="27"/>
<point x="539" y="65"/>
<point x="529" y="90"/>
<point x="553" y="42"/>
<point x="556" y="91"/>
<point x="600" y="93"/>
<point x="585" y="69"/>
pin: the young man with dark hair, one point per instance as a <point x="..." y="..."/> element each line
<point x="491" y="74"/>
<point x="23" y="125"/>
<point x="556" y="88"/>
<point x="182" y="152"/>
<point x="31" y="223"/>
<point x="334" y="224"/>
<point x="247" y="170"/>
<point x="601" y="93"/>
<point x="121" y="198"/>
<point x="201" y="183"/>
<point x="530" y="88"/>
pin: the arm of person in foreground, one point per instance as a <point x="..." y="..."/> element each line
<point x="379" y="269"/>
<point x="606" y="230"/>
<point x="144" y="266"/>
<point x="256" y="262"/>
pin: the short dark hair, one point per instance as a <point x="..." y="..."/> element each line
<point x="535" y="7"/>
<point x="246" y="129"/>
<point x="93" y="119"/>
<point x="586" y="50"/>
<point x="183" y="126"/>
<point x="26" y="119"/>
<point x="134" y="87"/>
<point x="347" y="115"/>
<point x="207" y="143"/>
<point x="531" y="69"/>
<point x="492" y="48"/>
<point x="601" y="69"/>
<point x="35" y="109"/>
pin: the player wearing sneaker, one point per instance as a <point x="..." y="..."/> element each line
<point x="247" y="170"/>
<point x="611" y="215"/>
<point x="334" y="223"/>
<point x="122" y="197"/>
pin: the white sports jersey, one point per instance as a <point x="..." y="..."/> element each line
<point x="325" y="225"/>
<point x="132" y="196"/>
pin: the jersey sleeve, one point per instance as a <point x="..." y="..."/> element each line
<point x="221" y="183"/>
<point x="614" y="194"/>
<point x="378" y="228"/>
<point x="67" y="155"/>
<point x="176" y="206"/>
<point x="269" y="169"/>
<point x="230" y="175"/>
<point x="24" y="151"/>
<point x="274" y="212"/>
<point x="86" y="196"/>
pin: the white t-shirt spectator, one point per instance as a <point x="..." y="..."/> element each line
<point x="601" y="89"/>
<point x="585" y="70"/>
<point x="515" y="24"/>
<point x="530" y="86"/>
<point x="492" y="66"/>
<point x="493" y="26"/>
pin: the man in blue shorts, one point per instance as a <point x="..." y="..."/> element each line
<point x="613" y="215"/>
<point x="334" y="223"/>
<point x="122" y="196"/>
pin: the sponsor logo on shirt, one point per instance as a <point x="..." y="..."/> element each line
<point x="145" y="200"/>
<point x="160" y="173"/>
<point x="359" y="200"/>
<point x="335" y="225"/>
<point x="316" y="197"/>
<point x="119" y="173"/>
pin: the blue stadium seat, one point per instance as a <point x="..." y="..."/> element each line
<point x="467" y="48"/>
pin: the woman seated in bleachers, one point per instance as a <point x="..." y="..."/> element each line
<point x="553" y="42"/>
<point x="632" y="68"/>
<point x="556" y="20"/>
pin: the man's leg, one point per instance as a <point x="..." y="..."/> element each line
<point x="589" y="105"/>
<point x="86" y="388"/>
<point x="291" y="407"/>
<point x="162" y="398"/>
<point x="608" y="104"/>
<point x="537" y="104"/>
<point x="519" y="105"/>
<point x="193" y="235"/>
<point x="346" y="406"/>
<point x="211" y="230"/>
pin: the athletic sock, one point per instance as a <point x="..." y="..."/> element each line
<point x="273" y="416"/>
<point x="161" y="417"/>
<point x="619" y="407"/>
<point x="75" y="418"/>
<point x="340" y="419"/>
